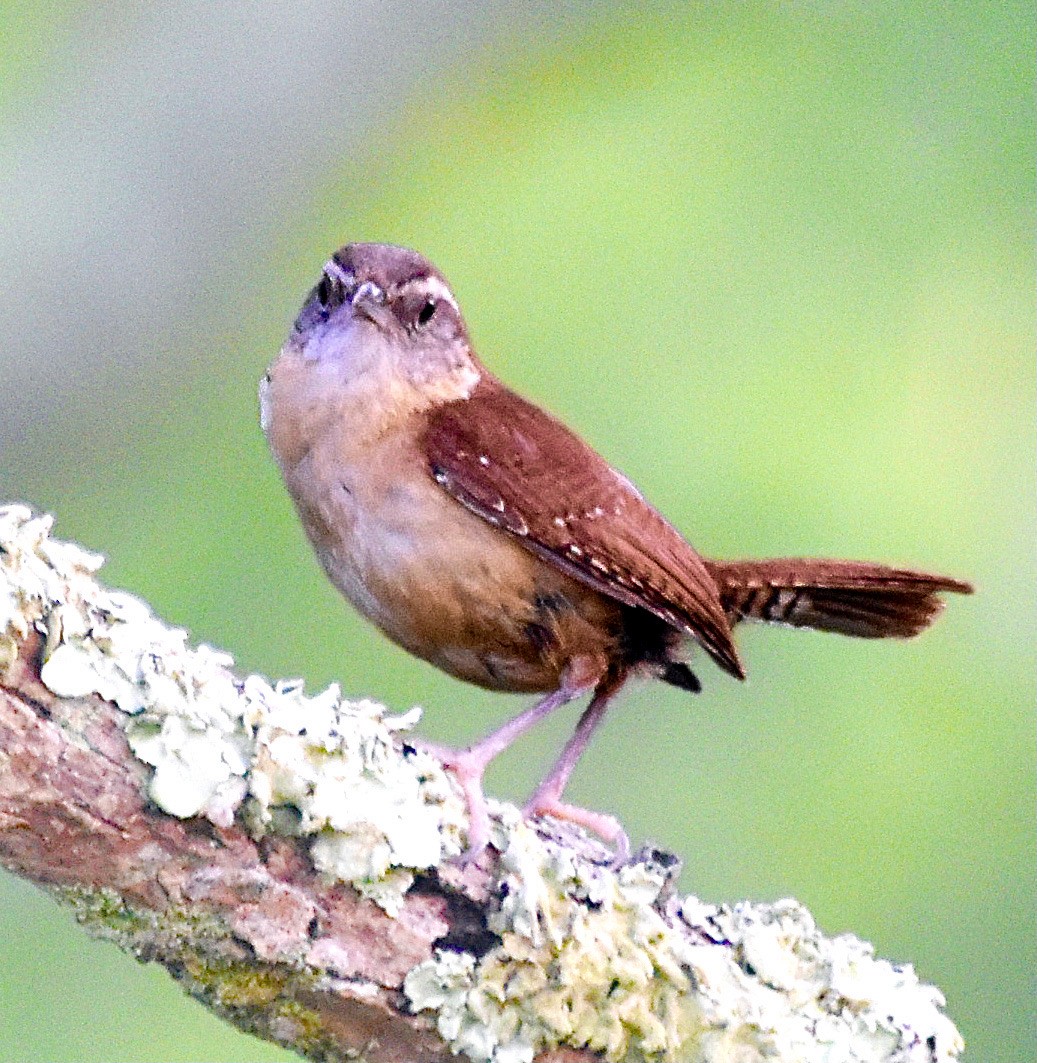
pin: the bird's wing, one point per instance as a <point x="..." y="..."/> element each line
<point x="522" y="470"/>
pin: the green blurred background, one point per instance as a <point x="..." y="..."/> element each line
<point x="775" y="261"/>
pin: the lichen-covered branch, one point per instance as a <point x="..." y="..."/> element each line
<point x="292" y="862"/>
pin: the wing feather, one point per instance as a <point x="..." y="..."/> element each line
<point x="517" y="467"/>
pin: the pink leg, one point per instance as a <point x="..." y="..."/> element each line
<point x="469" y="765"/>
<point x="547" y="799"/>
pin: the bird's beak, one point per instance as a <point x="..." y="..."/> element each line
<point x="369" y="301"/>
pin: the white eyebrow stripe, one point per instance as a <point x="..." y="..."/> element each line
<point x="432" y="285"/>
<point x="344" y="276"/>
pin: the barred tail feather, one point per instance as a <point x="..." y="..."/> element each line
<point x="848" y="597"/>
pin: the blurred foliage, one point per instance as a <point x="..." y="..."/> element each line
<point x="27" y="39"/>
<point x="776" y="262"/>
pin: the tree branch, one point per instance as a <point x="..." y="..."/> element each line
<point x="291" y="861"/>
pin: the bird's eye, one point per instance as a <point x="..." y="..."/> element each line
<point x="426" y="312"/>
<point x="330" y="291"/>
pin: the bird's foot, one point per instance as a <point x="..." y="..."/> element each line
<point x="468" y="767"/>
<point x="606" y="827"/>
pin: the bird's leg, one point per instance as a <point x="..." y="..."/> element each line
<point x="546" y="800"/>
<point x="469" y="765"/>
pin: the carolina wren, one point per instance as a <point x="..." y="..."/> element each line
<point x="482" y="535"/>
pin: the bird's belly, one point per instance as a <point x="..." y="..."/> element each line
<point x="454" y="590"/>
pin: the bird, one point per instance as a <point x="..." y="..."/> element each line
<point x="484" y="536"/>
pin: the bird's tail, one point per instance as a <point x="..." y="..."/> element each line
<point x="849" y="597"/>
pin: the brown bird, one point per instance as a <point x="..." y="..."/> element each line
<point x="482" y="535"/>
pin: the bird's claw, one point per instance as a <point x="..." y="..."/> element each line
<point x="606" y="827"/>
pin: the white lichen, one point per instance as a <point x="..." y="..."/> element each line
<point x="589" y="959"/>
<point x="585" y="960"/>
<point x="323" y="767"/>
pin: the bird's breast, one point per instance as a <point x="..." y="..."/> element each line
<point x="437" y="579"/>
